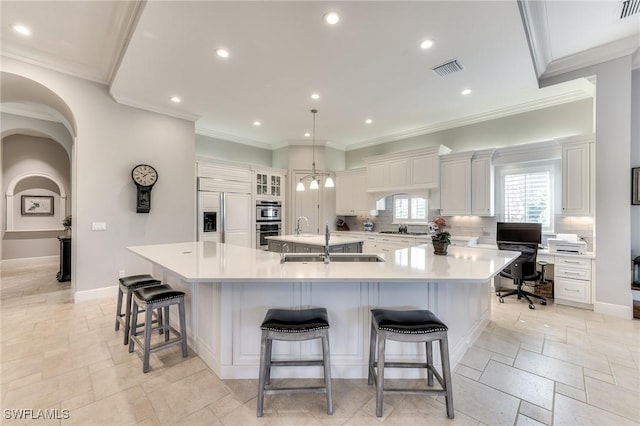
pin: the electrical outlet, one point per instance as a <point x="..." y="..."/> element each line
<point x="120" y="274"/>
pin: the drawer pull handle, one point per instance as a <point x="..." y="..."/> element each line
<point x="575" y="262"/>
<point x="572" y="273"/>
<point x="571" y="289"/>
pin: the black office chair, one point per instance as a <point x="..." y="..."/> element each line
<point x="520" y="270"/>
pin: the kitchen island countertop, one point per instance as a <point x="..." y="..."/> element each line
<point x="211" y="261"/>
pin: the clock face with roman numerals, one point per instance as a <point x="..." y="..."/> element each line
<point x="144" y="175"/>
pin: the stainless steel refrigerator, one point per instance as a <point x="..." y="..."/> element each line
<point x="224" y="217"/>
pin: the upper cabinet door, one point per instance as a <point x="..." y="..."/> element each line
<point x="455" y="189"/>
<point x="377" y="176"/>
<point x="399" y="173"/>
<point x="482" y="184"/>
<point x="576" y="182"/>
<point x="425" y="170"/>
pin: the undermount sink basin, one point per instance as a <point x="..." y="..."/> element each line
<point x="334" y="257"/>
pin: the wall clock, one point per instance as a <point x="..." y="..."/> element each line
<point x="144" y="176"/>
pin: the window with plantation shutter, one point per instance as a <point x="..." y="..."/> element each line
<point x="528" y="195"/>
<point x="408" y="209"/>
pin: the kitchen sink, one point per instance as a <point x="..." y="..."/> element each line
<point x="335" y="257"/>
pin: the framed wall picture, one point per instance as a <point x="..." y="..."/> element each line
<point x="635" y="185"/>
<point x="37" y="205"/>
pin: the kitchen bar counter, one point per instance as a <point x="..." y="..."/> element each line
<point x="230" y="288"/>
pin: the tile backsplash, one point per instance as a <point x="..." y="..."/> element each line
<point x="475" y="226"/>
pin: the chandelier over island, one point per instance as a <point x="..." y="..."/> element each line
<point x="315" y="174"/>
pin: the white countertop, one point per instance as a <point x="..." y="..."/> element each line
<point x="216" y="262"/>
<point x="317" y="240"/>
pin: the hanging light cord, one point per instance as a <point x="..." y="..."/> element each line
<point x="313" y="146"/>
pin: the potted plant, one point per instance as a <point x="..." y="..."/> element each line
<point x="67" y="224"/>
<point x="439" y="237"/>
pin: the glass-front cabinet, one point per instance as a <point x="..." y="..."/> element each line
<point x="269" y="184"/>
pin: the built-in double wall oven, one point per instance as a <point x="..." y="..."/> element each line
<point x="268" y="222"/>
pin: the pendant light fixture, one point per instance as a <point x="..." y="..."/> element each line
<point x="328" y="183"/>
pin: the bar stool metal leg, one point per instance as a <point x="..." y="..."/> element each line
<point x="446" y="372"/>
<point x="380" y="373"/>
<point x="326" y="358"/>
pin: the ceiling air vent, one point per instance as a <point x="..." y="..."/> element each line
<point x="629" y="8"/>
<point x="448" y="68"/>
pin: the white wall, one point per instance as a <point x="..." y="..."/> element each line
<point x="110" y="140"/>
<point x="219" y="149"/>
<point x="613" y="183"/>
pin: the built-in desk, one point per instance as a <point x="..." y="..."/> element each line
<point x="573" y="276"/>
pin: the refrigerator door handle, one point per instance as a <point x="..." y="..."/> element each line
<point x="223" y="215"/>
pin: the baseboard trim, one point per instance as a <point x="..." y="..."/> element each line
<point x="11" y="262"/>
<point x="619" y="311"/>
<point x="96" y="293"/>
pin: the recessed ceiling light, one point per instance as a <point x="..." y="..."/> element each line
<point x="368" y="121"/>
<point x="176" y="99"/>
<point x="21" y="29"/>
<point x="331" y="18"/>
<point x="256" y="123"/>
<point x="426" y="44"/>
<point x="306" y="135"/>
<point x="466" y="92"/>
<point x="315" y="96"/>
<point x="223" y="53"/>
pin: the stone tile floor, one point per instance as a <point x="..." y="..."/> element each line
<point x="556" y="366"/>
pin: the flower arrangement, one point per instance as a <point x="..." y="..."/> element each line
<point x="439" y="235"/>
<point x="67" y="223"/>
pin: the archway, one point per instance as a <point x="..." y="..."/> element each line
<point x="25" y="102"/>
<point x="10" y="206"/>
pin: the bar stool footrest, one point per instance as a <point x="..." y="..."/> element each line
<point x="295" y="390"/>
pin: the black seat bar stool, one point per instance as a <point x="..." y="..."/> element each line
<point x="414" y="326"/>
<point x="127" y="286"/>
<point x="294" y="325"/>
<point x="151" y="298"/>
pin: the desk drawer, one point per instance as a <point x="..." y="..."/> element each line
<point x="573" y="262"/>
<point x="568" y="289"/>
<point x="576" y="274"/>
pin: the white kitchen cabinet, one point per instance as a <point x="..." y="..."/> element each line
<point x="482" y="183"/>
<point x="351" y="193"/>
<point x="572" y="280"/>
<point x="389" y="244"/>
<point x="576" y="177"/>
<point x="268" y="184"/>
<point x="455" y="184"/>
<point x="405" y="171"/>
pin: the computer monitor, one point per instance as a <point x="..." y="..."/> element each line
<point x="519" y="232"/>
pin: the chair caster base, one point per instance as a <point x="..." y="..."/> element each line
<point x="543" y="302"/>
<point x="501" y="300"/>
<point x="532" y="306"/>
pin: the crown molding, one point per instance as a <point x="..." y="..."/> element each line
<point x="24" y="110"/>
<point x="550" y="101"/>
<point x="57" y="66"/>
<point x="606" y="52"/>
<point x="164" y="111"/>
<point x="205" y="131"/>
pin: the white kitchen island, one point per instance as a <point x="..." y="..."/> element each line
<point x="230" y="288"/>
